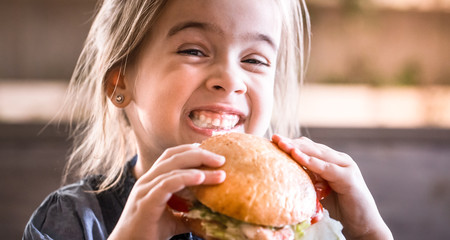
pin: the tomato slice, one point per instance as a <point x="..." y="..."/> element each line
<point x="321" y="186"/>
<point x="322" y="189"/>
<point x="179" y="204"/>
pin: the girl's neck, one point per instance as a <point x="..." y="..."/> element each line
<point x="143" y="164"/>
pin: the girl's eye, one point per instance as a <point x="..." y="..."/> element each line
<point x="192" y="52"/>
<point x="256" y="62"/>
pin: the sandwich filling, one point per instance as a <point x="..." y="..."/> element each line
<point x="219" y="226"/>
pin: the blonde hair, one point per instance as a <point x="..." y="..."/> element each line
<point x="293" y="56"/>
<point x="103" y="138"/>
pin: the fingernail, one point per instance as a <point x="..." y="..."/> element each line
<point x="221" y="159"/>
<point x="221" y="175"/>
<point x="216" y="176"/>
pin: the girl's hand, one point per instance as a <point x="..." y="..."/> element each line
<point x="351" y="202"/>
<point x="145" y="215"/>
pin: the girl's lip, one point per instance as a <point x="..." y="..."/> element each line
<point x="220" y="109"/>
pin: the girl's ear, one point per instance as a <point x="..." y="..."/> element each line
<point x="116" y="88"/>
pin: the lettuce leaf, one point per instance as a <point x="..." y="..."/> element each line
<point x="326" y="228"/>
<point x="220" y="226"/>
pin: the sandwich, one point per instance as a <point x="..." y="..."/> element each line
<point x="266" y="195"/>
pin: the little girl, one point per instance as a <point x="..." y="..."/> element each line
<point x="156" y="77"/>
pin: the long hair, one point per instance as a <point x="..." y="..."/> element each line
<point x="293" y="57"/>
<point x="103" y="138"/>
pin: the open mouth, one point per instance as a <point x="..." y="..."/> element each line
<point x="214" y="120"/>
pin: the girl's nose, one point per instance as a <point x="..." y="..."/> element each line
<point x="228" y="80"/>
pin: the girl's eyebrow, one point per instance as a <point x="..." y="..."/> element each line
<point x="213" y="28"/>
<point x="191" y="24"/>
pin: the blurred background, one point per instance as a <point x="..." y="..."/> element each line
<point x="378" y="88"/>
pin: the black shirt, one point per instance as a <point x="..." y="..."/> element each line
<point x="75" y="211"/>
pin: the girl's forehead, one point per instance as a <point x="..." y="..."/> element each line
<point x="222" y="15"/>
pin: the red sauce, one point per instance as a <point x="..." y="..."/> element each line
<point x="179" y="204"/>
<point x="319" y="212"/>
<point x="322" y="191"/>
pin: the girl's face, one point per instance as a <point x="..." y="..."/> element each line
<point x="206" y="66"/>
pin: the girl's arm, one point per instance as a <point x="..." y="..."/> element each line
<point x="351" y="202"/>
<point x="145" y="215"/>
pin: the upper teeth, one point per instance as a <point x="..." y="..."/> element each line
<point x="205" y="119"/>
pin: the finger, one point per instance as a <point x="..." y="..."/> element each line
<point x="189" y="158"/>
<point x="284" y="143"/>
<point x="213" y="160"/>
<point x="326" y="170"/>
<point x="214" y="177"/>
<point x="309" y="148"/>
<point x="193" y="158"/>
<point x="168" y="184"/>
<point x="321" y="151"/>
<point x="178" y="149"/>
<point x="162" y="188"/>
<point x="151" y="197"/>
<point x="178" y="179"/>
<point x="276" y="138"/>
